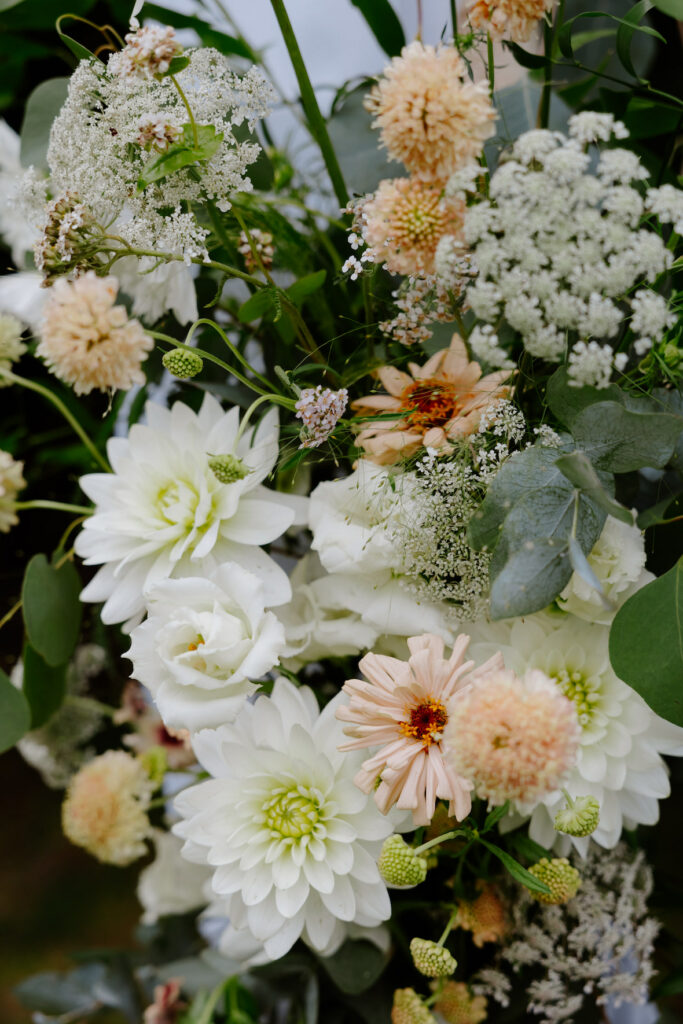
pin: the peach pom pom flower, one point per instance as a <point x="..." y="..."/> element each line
<point x="404" y="708"/>
<point x="515" y="19"/>
<point x="89" y="342"/>
<point x="514" y="738"/>
<point x="430" y="116"/>
<point x="435" y="403"/>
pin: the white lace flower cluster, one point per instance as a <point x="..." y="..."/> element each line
<point x="563" y="251"/>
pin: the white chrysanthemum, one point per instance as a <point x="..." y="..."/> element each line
<point x="293" y="842"/>
<point x="618" y="561"/>
<point x="622" y="739"/>
<point x="162" y="512"/>
<point x="203" y="643"/>
<point x="171" y="884"/>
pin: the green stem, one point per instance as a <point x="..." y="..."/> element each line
<point x="316" y="121"/>
<point x="68" y="416"/>
<point x="448" y="929"/>
<point x="454" y="18"/>
<point x="439" y="839"/>
<point x="233" y="348"/>
<point x="544" y="106"/>
<point x="172" y="257"/>
<point x="491" y="66"/>
<point x="244" y="422"/>
<point x="206" y="1016"/>
<point x="90" y="704"/>
<point x="188" y="108"/>
<point x="59" y="506"/>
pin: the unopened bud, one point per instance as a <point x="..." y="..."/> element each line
<point x="228" y="468"/>
<point x="399" y="865"/>
<point x="672" y="355"/>
<point x="432" y="959"/>
<point x="561" y="878"/>
<point x="580" y="817"/>
<point x="183" y="363"/>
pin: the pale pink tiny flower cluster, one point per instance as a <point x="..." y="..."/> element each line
<point x="514" y="738"/>
<point x="155" y="132"/>
<point x="262" y="242"/>
<point x="319" y="409"/>
<point x="514" y="19"/>
<point x="403" y="707"/>
<point x="148" y="50"/>
<point x="89" y="342"/>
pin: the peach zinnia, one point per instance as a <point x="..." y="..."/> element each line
<point x="434" y="404"/>
<point x="403" y="706"/>
<point x="404" y="221"/>
<point x="515" y="19"/>
<point x="430" y="116"/>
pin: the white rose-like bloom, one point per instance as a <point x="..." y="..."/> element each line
<point x="202" y="644"/>
<point x="171" y="884"/>
<point x="622" y="739"/>
<point x="618" y="561"/>
<point x="293" y="841"/>
<point x="162" y="512"/>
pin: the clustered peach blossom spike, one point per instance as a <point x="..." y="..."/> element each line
<point x="434" y="404"/>
<point x="430" y="116"/>
<point x="514" y="19"/>
<point x="403" y="708"/>
<point x="89" y="342"/>
<point x="514" y="738"/>
<point x="457" y="1005"/>
<point x="484" y="916"/>
<point x="403" y="222"/>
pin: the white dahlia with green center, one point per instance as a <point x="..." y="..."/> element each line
<point x="293" y="842"/>
<point x="163" y="512"/>
<point x="619" y="759"/>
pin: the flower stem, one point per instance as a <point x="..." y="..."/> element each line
<point x="90" y="704"/>
<point x="491" y="65"/>
<point x="448" y="929"/>
<point x="68" y="416"/>
<point x="454" y="18"/>
<point x="316" y="121"/>
<point x="233" y="348"/>
<point x="188" y="108"/>
<point x="439" y="839"/>
<point x="59" y="506"/>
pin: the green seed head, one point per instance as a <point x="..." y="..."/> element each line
<point x="432" y="959"/>
<point x="228" y="468"/>
<point x="399" y="865"/>
<point x="183" y="363"/>
<point x="561" y="878"/>
<point x="579" y="819"/>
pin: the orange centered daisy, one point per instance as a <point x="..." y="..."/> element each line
<point x="426" y="722"/>
<point x="429" y="403"/>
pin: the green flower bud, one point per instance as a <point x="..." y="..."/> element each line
<point x="155" y="763"/>
<point x="432" y="959"/>
<point x="228" y="468"/>
<point x="580" y="817"/>
<point x="183" y="363"/>
<point x="672" y="355"/>
<point x="399" y="865"/>
<point x="561" y="878"/>
<point x="408" y="1008"/>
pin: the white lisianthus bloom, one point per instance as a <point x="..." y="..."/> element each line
<point x="618" y="561"/>
<point x="622" y="739"/>
<point x="292" y="840"/>
<point x="171" y="884"/>
<point x="163" y="512"/>
<point x="167" y="287"/>
<point x="203" y="643"/>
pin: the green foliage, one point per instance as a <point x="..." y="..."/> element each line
<point x="42" y="107"/>
<point x="674" y="8"/>
<point x="355" y="966"/>
<point x="182" y="154"/>
<point x="15" y="714"/>
<point x="579" y="470"/>
<point x="362" y="161"/>
<point x="515" y="869"/>
<point x="51" y="609"/>
<point x="620" y="440"/>
<point x="306" y="286"/>
<point x="44" y="686"/>
<point x="383" y="23"/>
<point x="646" y="644"/>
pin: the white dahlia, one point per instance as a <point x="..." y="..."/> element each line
<point x="293" y="842"/>
<point x="171" y="884"/>
<point x="622" y="739"/>
<point x="163" y="512"/>
<point x="203" y="643"/>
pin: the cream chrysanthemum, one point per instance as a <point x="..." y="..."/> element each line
<point x="403" y="222"/>
<point x="430" y="116"/>
<point x="11" y="345"/>
<point x="105" y="810"/>
<point x="514" y="738"/>
<point x="514" y="19"/>
<point x="403" y="709"/>
<point x="11" y="482"/>
<point x="89" y="342"/>
<point x="619" y="760"/>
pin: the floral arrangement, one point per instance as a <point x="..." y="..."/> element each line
<point x="359" y="637"/>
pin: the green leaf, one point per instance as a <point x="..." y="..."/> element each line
<point x="383" y="23"/>
<point x="579" y="470"/>
<point x="6" y="4"/>
<point x="647" y="119"/>
<point x="51" y="608"/>
<point x="515" y="869"/>
<point x="621" y="441"/>
<point x="177" y="64"/>
<point x="182" y="154"/>
<point x="260" y="303"/>
<point x="55" y="993"/>
<point x="530" y="579"/>
<point x="674" y="8"/>
<point x="494" y="816"/>
<point x="646" y="644"/>
<point x="629" y="25"/>
<point x="533" y="61"/>
<point x="362" y="161"/>
<point x="209" y="36"/>
<point x="42" y="107"/>
<point x="666" y="511"/>
<point x="527" y="847"/>
<point x="15" y="714"/>
<point x="306" y="286"/>
<point x="355" y="966"/>
<point x="44" y="686"/>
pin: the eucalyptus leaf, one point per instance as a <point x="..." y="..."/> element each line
<point x="646" y="644"/>
<point x="54" y="993"/>
<point x="579" y="470"/>
<point x="530" y="579"/>
<point x="355" y="966"/>
<point x="567" y="402"/>
<point x="44" y="686"/>
<point x="514" y="868"/>
<point x="51" y="608"/>
<point x="42" y="107"/>
<point x="362" y="161"/>
<point x="668" y="510"/>
<point x="621" y="441"/>
<point x="15" y="713"/>
<point x="582" y="566"/>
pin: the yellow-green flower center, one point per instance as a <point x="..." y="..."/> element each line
<point x="581" y="690"/>
<point x="292" y="813"/>
<point x="177" y="503"/>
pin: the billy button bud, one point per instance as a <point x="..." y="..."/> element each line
<point x="183" y="363"/>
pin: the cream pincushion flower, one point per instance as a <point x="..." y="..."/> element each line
<point x="618" y="561"/>
<point x="11" y="482"/>
<point x="11" y="345"/>
<point x="515" y="19"/>
<point x="89" y="342"/>
<point x="514" y="738"/>
<point x="621" y="741"/>
<point x="403" y="222"/>
<point x="105" y="809"/>
<point x="431" y="117"/>
<point x="162" y="512"/>
<point x="292" y="841"/>
<point x="202" y="644"/>
<point x="403" y="708"/>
